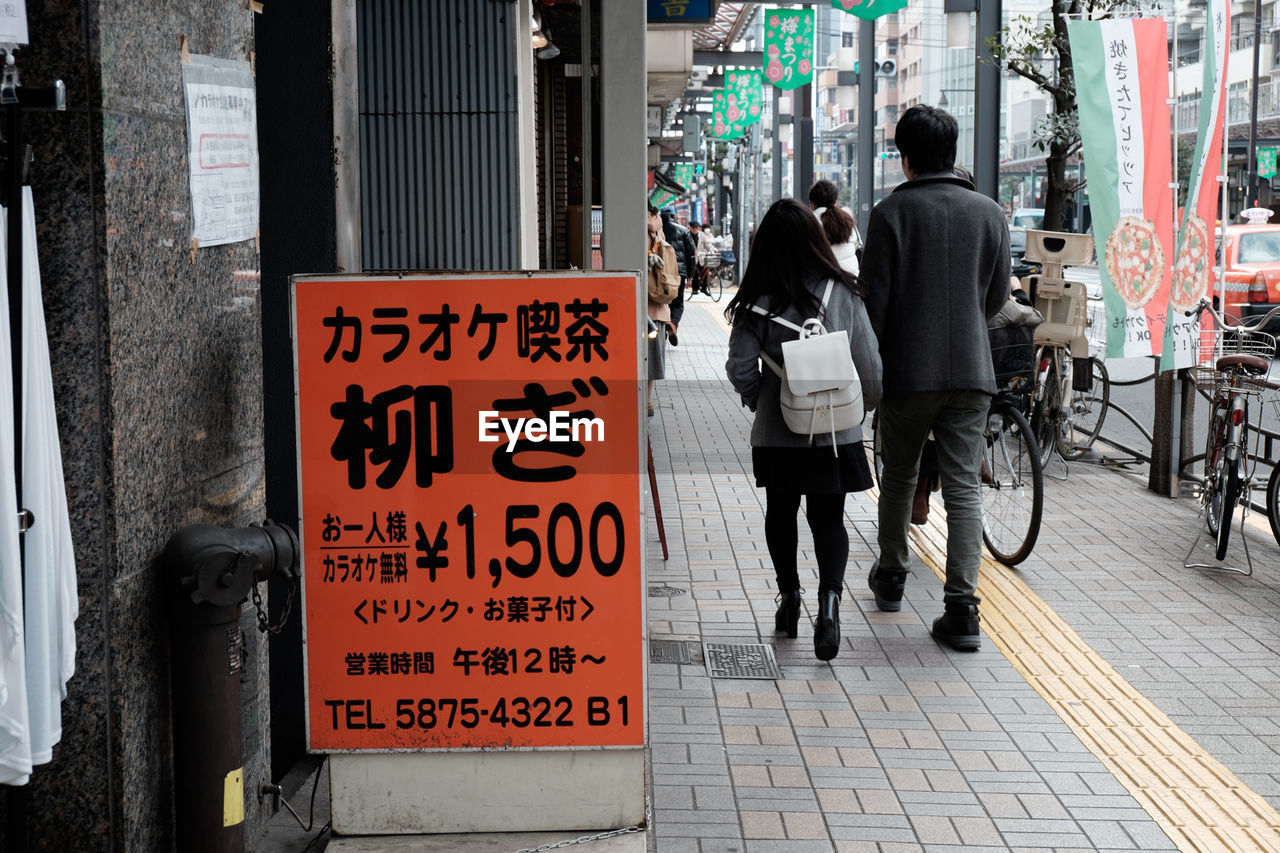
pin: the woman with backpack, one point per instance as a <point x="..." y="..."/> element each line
<point x="787" y="277"/>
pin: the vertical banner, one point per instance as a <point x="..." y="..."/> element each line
<point x="738" y="105"/>
<point x="788" y="47"/>
<point x="1193" y="268"/>
<point x="869" y="10"/>
<point x="471" y="515"/>
<point x="1122" y="90"/>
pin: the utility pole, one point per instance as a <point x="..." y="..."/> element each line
<point x="1251" y="161"/>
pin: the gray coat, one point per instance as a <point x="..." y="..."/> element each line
<point x="936" y="263"/>
<point x="759" y="386"/>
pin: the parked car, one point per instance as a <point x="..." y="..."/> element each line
<point x="1019" y="265"/>
<point x="1251" y="257"/>
<point x="1028" y="217"/>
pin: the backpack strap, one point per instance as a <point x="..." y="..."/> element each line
<point x="822" y="312"/>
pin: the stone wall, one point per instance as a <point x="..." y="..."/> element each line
<point x="157" y="366"/>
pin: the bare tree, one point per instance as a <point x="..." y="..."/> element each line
<point x="1041" y="53"/>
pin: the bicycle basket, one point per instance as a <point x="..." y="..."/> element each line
<point x="1237" y="343"/>
<point x="1013" y="355"/>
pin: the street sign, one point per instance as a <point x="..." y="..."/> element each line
<point x="470" y="450"/>
<point x="1267" y="162"/>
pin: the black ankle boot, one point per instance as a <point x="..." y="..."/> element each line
<point x="887" y="587"/>
<point x="958" y="627"/>
<point x="826" y="631"/>
<point x="788" y="616"/>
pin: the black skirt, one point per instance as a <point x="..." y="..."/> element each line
<point x="812" y="470"/>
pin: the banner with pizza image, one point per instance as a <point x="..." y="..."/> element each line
<point x="1193" y="267"/>
<point x="1122" y="91"/>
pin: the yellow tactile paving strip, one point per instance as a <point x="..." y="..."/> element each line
<point x="1199" y="803"/>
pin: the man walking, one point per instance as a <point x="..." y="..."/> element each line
<point x="936" y="263"/>
<point x="678" y="236"/>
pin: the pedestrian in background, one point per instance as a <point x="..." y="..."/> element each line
<point x="936" y="263"/>
<point x="662" y="286"/>
<point x="787" y="275"/>
<point x="678" y="236"/>
<point x="837" y="223"/>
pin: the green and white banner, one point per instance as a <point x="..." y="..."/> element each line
<point x="1193" y="268"/>
<point x="788" y="47"/>
<point x="1122" y="91"/>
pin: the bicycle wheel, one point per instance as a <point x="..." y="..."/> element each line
<point x="1273" y="502"/>
<point x="1230" y="496"/>
<point x="1211" y="482"/>
<point x="1046" y="414"/>
<point x="1086" y="413"/>
<point x="726" y="277"/>
<point x="715" y="286"/>
<point x="1012" y="486"/>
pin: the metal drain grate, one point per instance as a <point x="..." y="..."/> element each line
<point x="670" y="651"/>
<point x="665" y="591"/>
<point x="740" y="660"/>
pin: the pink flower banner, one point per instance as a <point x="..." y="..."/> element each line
<point x="869" y="10"/>
<point x="738" y="105"/>
<point x="788" y="47"/>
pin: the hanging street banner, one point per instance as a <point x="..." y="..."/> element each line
<point x="869" y="10"/>
<point x="788" y="47"/>
<point x="472" y="515"/>
<point x="738" y="105"/>
<point x="1122" y="90"/>
<point x="721" y="126"/>
<point x="1193" y="269"/>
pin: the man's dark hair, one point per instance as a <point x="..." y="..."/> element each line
<point x="926" y="138"/>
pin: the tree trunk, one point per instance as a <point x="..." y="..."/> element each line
<point x="1057" y="194"/>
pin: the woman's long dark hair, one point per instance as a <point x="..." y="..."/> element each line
<point x="789" y="249"/>
<point x="837" y="223"/>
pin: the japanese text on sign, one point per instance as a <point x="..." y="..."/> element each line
<point x="470" y="496"/>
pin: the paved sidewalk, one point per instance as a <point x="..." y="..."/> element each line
<point x="1115" y="694"/>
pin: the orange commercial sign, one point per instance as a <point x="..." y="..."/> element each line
<point x="469" y="470"/>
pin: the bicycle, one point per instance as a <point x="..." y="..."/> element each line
<point x="1068" y="423"/>
<point x="1012" y="479"/>
<point x="1232" y="370"/>
<point x="709" y="280"/>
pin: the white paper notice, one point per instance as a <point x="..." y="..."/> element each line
<point x="13" y="22"/>
<point x="222" y="149"/>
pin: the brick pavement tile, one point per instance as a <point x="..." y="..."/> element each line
<point x="773" y="799"/>
<point x="907" y="779"/>
<point x="746" y="774"/>
<point x="804" y="825"/>
<point x="789" y="777"/>
<point x="713" y="797"/>
<point x="876" y="801"/>
<point x="1003" y="804"/>
<point x="720" y="845"/>
<point x="1043" y="806"/>
<point x="762" y="825"/>
<point x="934" y="830"/>
<point x="741" y="734"/>
<point x="976" y="831"/>
<point x="859" y="757"/>
<point x="787" y="846"/>
<point x="838" y="800"/>
<point x="843" y="846"/>
<point x="820" y="755"/>
<point x="1041" y="841"/>
<point x="806" y="717"/>
<point x="776" y="735"/>
<point x="848" y="777"/>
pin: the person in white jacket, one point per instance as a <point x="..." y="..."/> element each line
<point x="838" y="224"/>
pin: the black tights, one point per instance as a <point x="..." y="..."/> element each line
<point x="825" y="514"/>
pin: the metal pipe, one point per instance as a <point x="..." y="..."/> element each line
<point x="212" y="569"/>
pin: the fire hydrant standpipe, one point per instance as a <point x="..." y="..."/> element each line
<point x="213" y="570"/>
